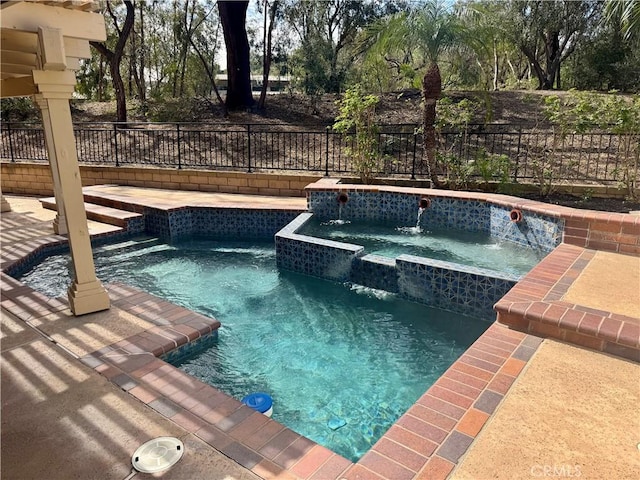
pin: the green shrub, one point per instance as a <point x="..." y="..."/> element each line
<point x="357" y="120"/>
<point x="18" y="109"/>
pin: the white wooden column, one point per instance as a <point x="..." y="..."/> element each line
<point x="60" y="222"/>
<point x="86" y="293"/>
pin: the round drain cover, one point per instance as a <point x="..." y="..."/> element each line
<point x="157" y="454"/>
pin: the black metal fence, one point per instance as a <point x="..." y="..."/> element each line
<point x="583" y="158"/>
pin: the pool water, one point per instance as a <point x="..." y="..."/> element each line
<point x="341" y="362"/>
<point x="457" y="246"/>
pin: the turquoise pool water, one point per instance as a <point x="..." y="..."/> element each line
<point x="330" y="355"/>
<point x="466" y="248"/>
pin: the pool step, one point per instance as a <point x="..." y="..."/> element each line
<point x="99" y="213"/>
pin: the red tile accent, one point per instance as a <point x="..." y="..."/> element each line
<point x="482" y="364"/>
<point x="571" y="319"/>
<point x="311" y="461"/>
<point x="264" y="435"/>
<point x="408" y="458"/>
<point x="385" y="467"/>
<point x="268" y="470"/>
<point x="431" y="416"/>
<point x="472" y="371"/>
<point x="451" y="397"/>
<point x="629" y="335"/>
<point x="426" y="430"/>
<point x="332" y="468"/>
<point x="468" y="391"/>
<point x="500" y="349"/>
<point x="472" y="422"/>
<point x="441" y="406"/>
<point x="536" y="310"/>
<point x="515" y="321"/>
<point x="590" y="324"/>
<point x="554" y="314"/>
<point x="462" y="377"/>
<point x="609" y="329"/>
<point x="294" y="452"/>
<point x="411" y="440"/>
<point x="583" y="340"/>
<point x="512" y="367"/>
<point x="249" y="426"/>
<point x="501" y="383"/>
<point x="606" y="227"/>
<point x="602" y="245"/>
<point x="278" y="443"/>
<point x="545" y="330"/>
<point x="359" y="472"/>
<point x="436" y="469"/>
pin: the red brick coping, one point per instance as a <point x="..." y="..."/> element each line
<point x="535" y="306"/>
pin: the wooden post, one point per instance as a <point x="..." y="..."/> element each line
<point x="86" y="294"/>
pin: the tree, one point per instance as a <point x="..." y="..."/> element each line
<point x="627" y="12"/>
<point x="547" y="32"/>
<point x="487" y="24"/>
<point x="114" y="57"/>
<point x="426" y="32"/>
<point x="326" y="29"/>
<point x="233" y="16"/>
<point x="267" y="51"/>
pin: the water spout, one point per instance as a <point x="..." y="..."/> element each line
<point x="420" y="212"/>
<point x="342" y="199"/>
<point x="515" y="215"/>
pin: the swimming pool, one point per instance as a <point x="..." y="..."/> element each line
<point x="342" y="362"/>
<point x="392" y="239"/>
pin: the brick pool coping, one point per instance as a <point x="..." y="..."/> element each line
<point x="535" y="306"/>
<point x="428" y="441"/>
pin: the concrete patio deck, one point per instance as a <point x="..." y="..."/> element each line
<point x="568" y="409"/>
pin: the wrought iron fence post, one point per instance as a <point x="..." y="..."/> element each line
<point x="179" y="158"/>
<point x="115" y="141"/>
<point x="326" y="153"/>
<point x="10" y="142"/>
<point x="413" y="165"/>
<point x="249" y="147"/>
<point x="515" y="170"/>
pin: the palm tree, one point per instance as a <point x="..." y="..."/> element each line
<point x="628" y="13"/>
<point x="426" y="32"/>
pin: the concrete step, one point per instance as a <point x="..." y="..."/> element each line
<point x="99" y="213"/>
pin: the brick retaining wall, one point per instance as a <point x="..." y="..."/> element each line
<point x="35" y="179"/>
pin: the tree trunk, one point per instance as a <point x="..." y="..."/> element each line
<point x="101" y="80"/>
<point x="233" y="18"/>
<point x="210" y="74"/>
<point x="496" y="66"/>
<point x="431" y="90"/>
<point x="142" y="87"/>
<point x="266" y="61"/>
<point x="115" y="57"/>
